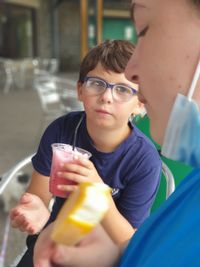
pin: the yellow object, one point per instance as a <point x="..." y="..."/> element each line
<point x="81" y="212"/>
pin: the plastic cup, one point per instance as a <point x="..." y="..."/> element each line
<point x="63" y="153"/>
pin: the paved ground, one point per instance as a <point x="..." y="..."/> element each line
<point x="21" y="124"/>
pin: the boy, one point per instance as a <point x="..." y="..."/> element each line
<point x="122" y="156"/>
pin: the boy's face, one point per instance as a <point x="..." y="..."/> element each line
<point x="102" y="110"/>
<point x="165" y="57"/>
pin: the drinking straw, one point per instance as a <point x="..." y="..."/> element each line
<point x="76" y="131"/>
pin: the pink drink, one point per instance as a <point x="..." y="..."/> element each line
<point x="62" y="153"/>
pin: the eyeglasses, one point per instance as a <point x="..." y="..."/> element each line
<point x="120" y="92"/>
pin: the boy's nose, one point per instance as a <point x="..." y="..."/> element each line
<point x="107" y="95"/>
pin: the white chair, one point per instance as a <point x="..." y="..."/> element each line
<point x="8" y="241"/>
<point x="6" y="75"/>
<point x="68" y="96"/>
<point x="49" y="97"/>
<point x="170" y="183"/>
<point x="4" y="182"/>
<point x="56" y="95"/>
<point x="8" y="176"/>
<point x="166" y="187"/>
<point x="46" y="65"/>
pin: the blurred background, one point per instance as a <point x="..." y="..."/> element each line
<point x="61" y="29"/>
<point x="41" y="45"/>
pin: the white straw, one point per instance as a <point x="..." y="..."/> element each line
<point x="194" y="81"/>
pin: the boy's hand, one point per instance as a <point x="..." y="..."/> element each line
<point x="81" y="170"/>
<point x="30" y="214"/>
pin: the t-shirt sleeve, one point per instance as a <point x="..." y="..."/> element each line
<point x="137" y="197"/>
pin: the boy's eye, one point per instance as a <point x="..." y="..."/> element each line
<point x="96" y="83"/>
<point x="122" y="89"/>
<point x="143" y="32"/>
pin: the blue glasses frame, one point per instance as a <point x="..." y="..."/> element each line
<point x="110" y="85"/>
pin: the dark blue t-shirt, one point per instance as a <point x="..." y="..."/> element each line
<point x="133" y="170"/>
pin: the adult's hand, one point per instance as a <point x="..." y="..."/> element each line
<point x="96" y="249"/>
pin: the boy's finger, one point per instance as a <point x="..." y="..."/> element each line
<point x="83" y="161"/>
<point x="68" y="188"/>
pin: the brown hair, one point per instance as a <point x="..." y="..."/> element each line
<point x="196" y="6"/>
<point x="196" y="2"/>
<point x="113" y="56"/>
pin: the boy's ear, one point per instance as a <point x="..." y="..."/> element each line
<point x="138" y="109"/>
<point x="79" y="90"/>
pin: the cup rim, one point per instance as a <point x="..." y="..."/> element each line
<point x="60" y="147"/>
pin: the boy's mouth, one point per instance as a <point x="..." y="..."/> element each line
<point x="103" y="111"/>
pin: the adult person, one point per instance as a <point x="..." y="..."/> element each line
<point x="166" y="66"/>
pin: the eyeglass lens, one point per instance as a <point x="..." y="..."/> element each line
<point x="120" y="92"/>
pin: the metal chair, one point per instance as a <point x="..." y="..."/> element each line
<point x="57" y="95"/>
<point x="166" y="187"/>
<point x="170" y="183"/>
<point x="6" y="75"/>
<point x="8" y="176"/>
<point x="7" y="233"/>
<point x="48" y="96"/>
<point x="46" y="65"/>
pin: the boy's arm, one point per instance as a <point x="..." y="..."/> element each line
<point x="136" y="200"/>
<point x="116" y="225"/>
<point x="39" y="186"/>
